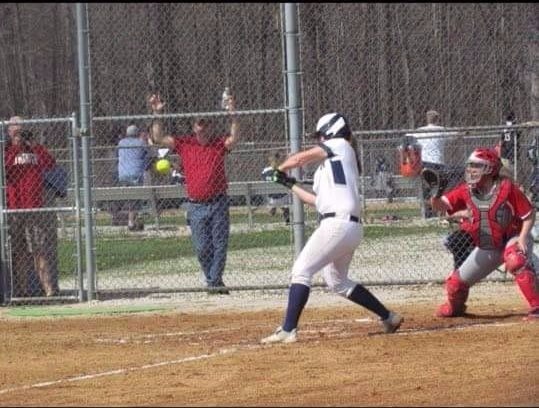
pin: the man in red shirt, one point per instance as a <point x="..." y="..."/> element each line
<point x="25" y="161"/>
<point x="203" y="159"/>
<point x="498" y="218"/>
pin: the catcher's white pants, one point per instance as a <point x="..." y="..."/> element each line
<point x="482" y="262"/>
<point x="330" y="249"/>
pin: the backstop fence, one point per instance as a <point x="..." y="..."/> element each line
<point x="381" y="65"/>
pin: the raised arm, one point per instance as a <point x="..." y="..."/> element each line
<point x="232" y="139"/>
<point x="156" y="130"/>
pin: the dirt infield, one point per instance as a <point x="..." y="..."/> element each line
<point x="210" y="355"/>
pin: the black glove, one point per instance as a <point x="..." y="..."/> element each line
<point x="435" y="181"/>
<point x="278" y="176"/>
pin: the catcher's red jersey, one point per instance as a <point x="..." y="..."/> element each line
<point x="505" y="212"/>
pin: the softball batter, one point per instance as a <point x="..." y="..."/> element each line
<point x="332" y="245"/>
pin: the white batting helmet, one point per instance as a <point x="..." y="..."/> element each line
<point x="333" y="125"/>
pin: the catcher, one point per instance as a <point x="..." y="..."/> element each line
<point x="498" y="217"/>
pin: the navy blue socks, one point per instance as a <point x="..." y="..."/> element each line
<point x="297" y="299"/>
<point x="363" y="297"/>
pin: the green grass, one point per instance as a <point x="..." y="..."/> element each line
<point x="260" y="215"/>
<point x="116" y="252"/>
<point x="40" y="311"/>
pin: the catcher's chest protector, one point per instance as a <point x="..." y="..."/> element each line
<point x="491" y="217"/>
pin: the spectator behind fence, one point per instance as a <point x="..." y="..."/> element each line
<point x="25" y="163"/>
<point x="433" y="153"/>
<point x="506" y="146"/>
<point x="202" y="155"/>
<point x="383" y="179"/>
<point x="133" y="160"/>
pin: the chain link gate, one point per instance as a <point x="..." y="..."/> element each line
<point x="40" y="230"/>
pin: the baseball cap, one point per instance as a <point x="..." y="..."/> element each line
<point x="15" y="119"/>
<point x="131" y="131"/>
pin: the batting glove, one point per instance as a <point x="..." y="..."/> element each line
<point x="278" y="176"/>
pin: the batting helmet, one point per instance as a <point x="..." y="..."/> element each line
<point x="333" y="125"/>
<point x="482" y="161"/>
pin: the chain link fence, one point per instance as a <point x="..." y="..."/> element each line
<point x="382" y="65"/>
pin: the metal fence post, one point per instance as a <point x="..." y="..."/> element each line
<point x="294" y="110"/>
<point x="4" y="269"/>
<point x="76" y="196"/>
<point x="85" y="132"/>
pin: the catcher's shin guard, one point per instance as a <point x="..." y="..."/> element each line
<point x="527" y="283"/>
<point x="457" y="294"/>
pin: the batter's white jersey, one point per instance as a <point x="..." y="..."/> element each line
<point x="336" y="180"/>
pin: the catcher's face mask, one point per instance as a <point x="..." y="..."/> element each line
<point x="475" y="172"/>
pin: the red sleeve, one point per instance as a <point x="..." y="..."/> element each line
<point x="456" y="198"/>
<point x="522" y="205"/>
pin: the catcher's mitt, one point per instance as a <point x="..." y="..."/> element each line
<point x="435" y="180"/>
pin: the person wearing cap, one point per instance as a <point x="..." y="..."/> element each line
<point x="331" y="246"/>
<point x="203" y="154"/>
<point x="133" y="160"/>
<point x="25" y="163"/>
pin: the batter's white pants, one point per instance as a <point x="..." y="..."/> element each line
<point x="330" y="249"/>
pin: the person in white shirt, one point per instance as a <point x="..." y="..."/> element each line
<point x="433" y="140"/>
<point x="331" y="246"/>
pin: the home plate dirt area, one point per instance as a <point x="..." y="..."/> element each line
<point x="206" y="351"/>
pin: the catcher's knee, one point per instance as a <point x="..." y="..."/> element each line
<point x="515" y="260"/>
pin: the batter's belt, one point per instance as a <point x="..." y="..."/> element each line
<point x="352" y="218"/>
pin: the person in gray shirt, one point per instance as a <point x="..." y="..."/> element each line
<point x="133" y="159"/>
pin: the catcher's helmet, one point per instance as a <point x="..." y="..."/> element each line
<point x="333" y="125"/>
<point x="482" y="161"/>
